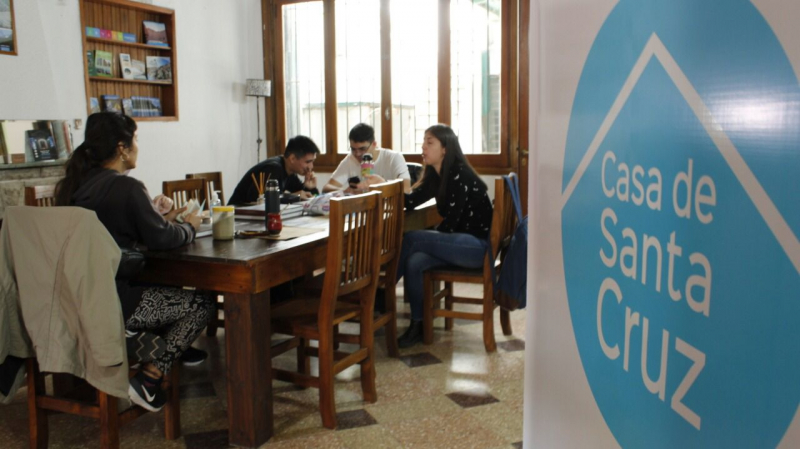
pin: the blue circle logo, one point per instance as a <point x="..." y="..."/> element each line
<point x="680" y="220"/>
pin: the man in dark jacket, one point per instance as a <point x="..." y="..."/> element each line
<point x="297" y="160"/>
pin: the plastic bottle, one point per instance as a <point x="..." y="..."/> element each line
<point x="366" y="165"/>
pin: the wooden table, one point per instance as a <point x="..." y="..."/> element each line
<point x="244" y="271"/>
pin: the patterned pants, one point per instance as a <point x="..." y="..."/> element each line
<point x="176" y="314"/>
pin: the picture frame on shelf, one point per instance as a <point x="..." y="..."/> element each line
<point x="155" y="33"/>
<point x="8" y="33"/>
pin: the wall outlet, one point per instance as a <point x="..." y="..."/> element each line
<point x="78" y="123"/>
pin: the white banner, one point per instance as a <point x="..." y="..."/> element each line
<point x="665" y="260"/>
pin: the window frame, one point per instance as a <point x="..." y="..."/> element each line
<point x="514" y="89"/>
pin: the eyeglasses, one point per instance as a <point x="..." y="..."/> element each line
<point x="359" y="149"/>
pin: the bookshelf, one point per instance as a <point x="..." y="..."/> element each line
<point x="127" y="16"/>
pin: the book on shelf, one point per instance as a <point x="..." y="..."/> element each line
<point x="138" y="69"/>
<point x="146" y="106"/>
<point x="159" y="68"/>
<point x="103" y="63"/>
<point x="155" y="33"/>
<point x="125" y="66"/>
<point x="129" y="37"/>
<point x="127" y="107"/>
<point x="93" y="32"/>
<point x="90" y="63"/>
<point x="15" y="142"/>
<point x="43" y="145"/>
<point x="94" y="105"/>
<point x="105" y="34"/>
<point x="112" y="103"/>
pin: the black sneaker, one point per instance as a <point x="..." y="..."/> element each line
<point x="146" y="392"/>
<point x="144" y="346"/>
<point x="193" y="356"/>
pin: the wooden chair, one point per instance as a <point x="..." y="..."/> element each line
<point x="352" y="268"/>
<point x="503" y="224"/>
<point x="214" y="180"/>
<point x="99" y="405"/>
<point x="40" y="196"/>
<point x="184" y="189"/>
<point x="391" y="242"/>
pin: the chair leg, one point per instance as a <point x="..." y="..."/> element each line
<point x="109" y="421"/>
<point x="448" y="304"/>
<point x="172" y="411"/>
<point x="427" y="309"/>
<point x="327" y="405"/>
<point x="505" y="321"/>
<point x="303" y="361"/>
<point x="488" y="319"/>
<point x="391" y="326"/>
<point x="213" y="323"/>
<point x="37" y="418"/>
<point x="367" y="332"/>
<point x="336" y="342"/>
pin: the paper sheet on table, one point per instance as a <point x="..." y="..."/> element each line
<point x="291" y="232"/>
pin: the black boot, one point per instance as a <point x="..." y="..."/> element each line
<point x="412" y="335"/>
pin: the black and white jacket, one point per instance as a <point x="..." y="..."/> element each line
<point x="467" y="208"/>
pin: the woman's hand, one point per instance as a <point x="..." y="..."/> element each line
<point x="193" y="219"/>
<point x="163" y="204"/>
<point x="171" y="216"/>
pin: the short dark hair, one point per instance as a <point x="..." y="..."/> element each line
<point x="299" y="146"/>
<point x="362" y="133"/>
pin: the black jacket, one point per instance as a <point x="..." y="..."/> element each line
<point x="273" y="168"/>
<point x="467" y="207"/>
<point x="123" y="205"/>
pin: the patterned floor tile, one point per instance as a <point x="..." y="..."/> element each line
<point x="455" y="430"/>
<point x="353" y="419"/>
<point x="512" y="345"/>
<point x="199" y="390"/>
<point x="471" y="399"/>
<point x="419" y="359"/>
<point x="371" y="437"/>
<point x="207" y="440"/>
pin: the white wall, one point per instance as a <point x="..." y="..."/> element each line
<point x="219" y="47"/>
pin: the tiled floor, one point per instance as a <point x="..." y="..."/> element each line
<point x="447" y="395"/>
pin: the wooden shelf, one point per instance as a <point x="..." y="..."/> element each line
<point x="126" y="44"/>
<point x="127" y="17"/>
<point x="123" y="80"/>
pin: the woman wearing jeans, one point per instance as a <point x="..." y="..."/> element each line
<point x="461" y="238"/>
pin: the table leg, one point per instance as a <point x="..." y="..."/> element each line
<point x="247" y="354"/>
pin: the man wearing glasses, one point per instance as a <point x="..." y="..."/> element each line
<point x="388" y="165"/>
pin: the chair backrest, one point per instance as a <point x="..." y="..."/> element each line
<point x="214" y="180"/>
<point x="40" y="196"/>
<point x="504" y="219"/>
<point x="415" y="171"/>
<point x="184" y="189"/>
<point x="353" y="249"/>
<point x="392" y="205"/>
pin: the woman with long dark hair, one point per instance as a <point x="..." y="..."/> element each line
<point x="96" y="179"/>
<point x="461" y="238"/>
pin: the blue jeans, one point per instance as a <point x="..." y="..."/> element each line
<point x="423" y="250"/>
